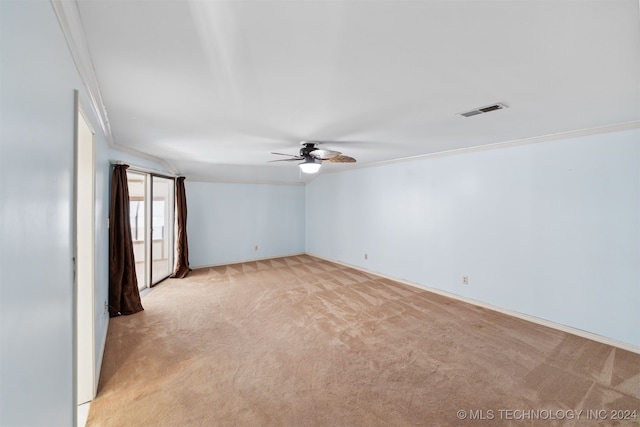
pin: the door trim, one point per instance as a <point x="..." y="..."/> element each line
<point x="84" y="256"/>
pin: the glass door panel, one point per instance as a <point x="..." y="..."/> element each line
<point x="137" y="184"/>
<point x="162" y="228"/>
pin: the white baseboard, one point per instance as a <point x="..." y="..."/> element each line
<point x="100" y="357"/>
<point x="247" y="260"/>
<point x="82" y="413"/>
<point x="558" y="326"/>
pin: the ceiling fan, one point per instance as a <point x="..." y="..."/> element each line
<point x="313" y="157"/>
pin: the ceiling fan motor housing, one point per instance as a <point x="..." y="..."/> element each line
<point x="307" y="149"/>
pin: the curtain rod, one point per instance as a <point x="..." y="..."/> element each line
<point x="135" y="168"/>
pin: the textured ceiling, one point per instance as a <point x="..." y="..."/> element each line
<point x="212" y="87"/>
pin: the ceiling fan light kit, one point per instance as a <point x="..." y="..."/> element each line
<point x="310" y="165"/>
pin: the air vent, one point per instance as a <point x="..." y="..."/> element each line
<point x="483" y="110"/>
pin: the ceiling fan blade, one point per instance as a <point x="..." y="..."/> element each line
<point x="324" y="154"/>
<point x="293" y="159"/>
<point x="341" y="159"/>
<point x="284" y="154"/>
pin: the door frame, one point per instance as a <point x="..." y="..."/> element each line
<point x="149" y="281"/>
<point x="172" y="238"/>
<point x="84" y="190"/>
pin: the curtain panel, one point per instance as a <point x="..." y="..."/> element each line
<point x="182" y="245"/>
<point x="124" y="297"/>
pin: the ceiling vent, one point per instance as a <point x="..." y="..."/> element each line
<point x="483" y="110"/>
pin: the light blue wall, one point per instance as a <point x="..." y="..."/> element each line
<point x="226" y="221"/>
<point x="38" y="79"/>
<point x="36" y="194"/>
<point x="549" y="229"/>
<point x="101" y="250"/>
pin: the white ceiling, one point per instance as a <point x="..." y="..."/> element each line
<point x="212" y="87"/>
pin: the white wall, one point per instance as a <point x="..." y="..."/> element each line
<point x="36" y="190"/>
<point x="226" y="221"/>
<point x="550" y="229"/>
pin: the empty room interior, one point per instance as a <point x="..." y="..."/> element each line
<point x="320" y="213"/>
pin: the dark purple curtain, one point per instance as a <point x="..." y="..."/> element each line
<point x="182" y="245"/>
<point x="124" y="297"/>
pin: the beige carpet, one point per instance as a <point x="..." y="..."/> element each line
<point x="299" y="341"/>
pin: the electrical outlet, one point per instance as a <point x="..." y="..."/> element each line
<point x="256" y="247"/>
<point x="366" y="256"/>
<point x="465" y="280"/>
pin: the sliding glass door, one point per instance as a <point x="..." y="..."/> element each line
<point x="162" y="247"/>
<point x="152" y="226"/>
<point x="137" y="183"/>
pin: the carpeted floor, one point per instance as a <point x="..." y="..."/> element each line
<point x="299" y="341"/>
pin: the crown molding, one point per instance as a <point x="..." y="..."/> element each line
<point x="164" y="163"/>
<point x="69" y="19"/>
<point x="203" y="178"/>
<point x="493" y="146"/>
<point x="71" y="24"/>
